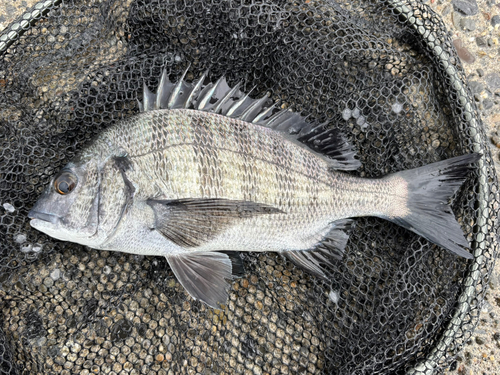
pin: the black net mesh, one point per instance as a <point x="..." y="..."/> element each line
<point x="384" y="72"/>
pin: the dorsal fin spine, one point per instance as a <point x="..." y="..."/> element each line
<point x="161" y="93"/>
<point x="205" y="100"/>
<point x="177" y="89"/>
<point x="238" y="104"/>
<point x="220" y="98"/>
<point x="196" y="89"/>
<point x="257" y="106"/>
<point x="149" y="98"/>
<point x="260" y="118"/>
<point x="225" y="98"/>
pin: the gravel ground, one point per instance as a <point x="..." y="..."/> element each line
<point x="475" y="29"/>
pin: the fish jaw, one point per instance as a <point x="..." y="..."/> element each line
<point x="50" y="224"/>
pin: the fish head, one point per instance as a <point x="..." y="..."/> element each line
<point x="68" y="207"/>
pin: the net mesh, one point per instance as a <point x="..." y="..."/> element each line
<point x="385" y="73"/>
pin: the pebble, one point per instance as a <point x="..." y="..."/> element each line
<point x="468" y="24"/>
<point x="463" y="52"/>
<point x="8" y="207"/>
<point x="456" y="18"/>
<point x="476" y="87"/>
<point x="481" y="41"/>
<point x="56" y="274"/>
<point x="467" y="7"/>
<point x="397" y="107"/>
<point x="480" y="72"/>
<point x="446" y="10"/>
<point x="479" y="341"/>
<point x="334" y="296"/>
<point x="487" y="104"/>
<point x="21" y="238"/>
<point x="493" y="81"/>
<point x="495" y="20"/>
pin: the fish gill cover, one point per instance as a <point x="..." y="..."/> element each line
<point x="383" y="73"/>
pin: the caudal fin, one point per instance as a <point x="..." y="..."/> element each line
<point x="429" y="191"/>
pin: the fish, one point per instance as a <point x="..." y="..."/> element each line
<point x="205" y="172"/>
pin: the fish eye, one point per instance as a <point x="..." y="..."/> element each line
<point x="65" y="182"/>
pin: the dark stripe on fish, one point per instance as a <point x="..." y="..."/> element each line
<point x="250" y="179"/>
<point x="124" y="164"/>
<point x="207" y="158"/>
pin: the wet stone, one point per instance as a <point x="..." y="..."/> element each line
<point x="488" y="104"/>
<point x="466" y="7"/>
<point x="467" y="24"/>
<point x="481" y="41"/>
<point x="495" y="20"/>
<point x="464" y="54"/>
<point x="493" y="81"/>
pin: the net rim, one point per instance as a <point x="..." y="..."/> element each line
<point x="464" y="103"/>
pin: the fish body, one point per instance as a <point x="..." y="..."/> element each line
<point x="208" y="156"/>
<point x="188" y="180"/>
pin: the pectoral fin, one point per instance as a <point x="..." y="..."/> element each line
<point x="204" y="275"/>
<point x="192" y="222"/>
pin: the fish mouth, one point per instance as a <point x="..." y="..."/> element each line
<point x="50" y="218"/>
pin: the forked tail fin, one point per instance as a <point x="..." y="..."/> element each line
<point x="429" y="190"/>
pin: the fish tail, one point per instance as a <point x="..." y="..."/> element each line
<point x="428" y="192"/>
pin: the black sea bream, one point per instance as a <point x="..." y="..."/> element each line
<point x="206" y="169"/>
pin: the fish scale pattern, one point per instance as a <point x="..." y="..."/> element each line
<point x="383" y="72"/>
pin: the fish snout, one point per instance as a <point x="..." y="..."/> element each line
<point x="51" y="218"/>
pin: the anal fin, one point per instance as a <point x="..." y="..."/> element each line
<point x="204" y="275"/>
<point x="331" y="248"/>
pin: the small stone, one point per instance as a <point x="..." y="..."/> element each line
<point x="479" y="341"/>
<point x="496" y="336"/>
<point x="467" y="24"/>
<point x="487" y="104"/>
<point x="476" y="87"/>
<point x="21" y="238"/>
<point x="334" y="296"/>
<point x="481" y="41"/>
<point x="493" y="81"/>
<point x="8" y="207"/>
<point x="455" y="19"/>
<point x="446" y="10"/>
<point x="463" y="52"/>
<point x="346" y="114"/>
<point x="397" y="107"/>
<point x="490" y="42"/>
<point x="495" y="20"/>
<point x="467" y="7"/>
<point x="27" y="248"/>
<point x="495" y="139"/>
<point x="56" y="274"/>
<point x="480" y="72"/>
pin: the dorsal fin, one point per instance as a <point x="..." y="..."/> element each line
<point x="229" y="101"/>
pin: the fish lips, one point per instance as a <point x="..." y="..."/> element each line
<point x="42" y="216"/>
